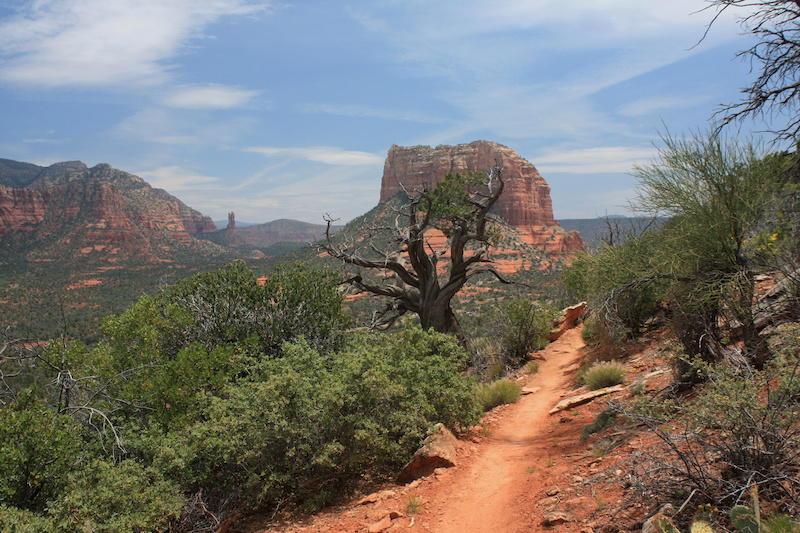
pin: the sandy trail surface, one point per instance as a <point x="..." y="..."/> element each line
<point x="504" y="474"/>
<point x="489" y="493"/>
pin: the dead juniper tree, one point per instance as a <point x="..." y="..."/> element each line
<point x="775" y="58"/>
<point x="409" y="270"/>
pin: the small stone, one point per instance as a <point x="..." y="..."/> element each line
<point x="441" y="472"/>
<point x="667" y="509"/>
<point x="579" y="501"/>
<point x="414" y="484"/>
<point x="565" y="420"/>
<point x="544" y="502"/>
<point x="394" y="515"/>
<point x="555" y="518"/>
<point x="618" y="472"/>
<point x="380" y="527"/>
<point x="553" y="491"/>
<point x="578" y="479"/>
<point x="372" y="498"/>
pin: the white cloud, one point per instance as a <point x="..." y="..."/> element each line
<point x="329" y="155"/>
<point x="656" y="104"/>
<point x="605" y="159"/>
<point x="211" y="96"/>
<point x="55" y="43"/>
<point x="177" y="127"/>
<point x="46" y="141"/>
<point x="359" y="111"/>
<point x="174" y="178"/>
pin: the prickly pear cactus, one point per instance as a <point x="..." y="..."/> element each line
<point x="665" y="525"/>
<point x="744" y="520"/>
<point x="701" y="526"/>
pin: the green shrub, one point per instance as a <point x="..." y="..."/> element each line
<point x="520" y="326"/>
<point x="308" y="420"/>
<point x="604" y="374"/>
<point x="37" y="450"/>
<point x="498" y="393"/>
<point x="15" y="520"/>
<point x="228" y="306"/>
<point x="116" y="498"/>
<point x="608" y="279"/>
<point x="179" y="348"/>
<point x="604" y="419"/>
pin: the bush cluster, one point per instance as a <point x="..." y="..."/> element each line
<point x="699" y="265"/>
<point x="220" y="393"/>
<point x="516" y="327"/>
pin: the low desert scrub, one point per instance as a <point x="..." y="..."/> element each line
<point x="604" y="419"/>
<point x="497" y="393"/>
<point x="741" y="430"/>
<point x="604" y="374"/>
<point x="520" y="327"/>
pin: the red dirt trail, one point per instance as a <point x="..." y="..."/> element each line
<point x="522" y="464"/>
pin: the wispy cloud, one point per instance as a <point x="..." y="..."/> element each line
<point x="211" y="96"/>
<point x="504" y="63"/>
<point x="56" y="43"/>
<point x="603" y="159"/>
<point x="359" y="111"/>
<point x="174" y="178"/>
<point x="178" y="127"/>
<point x="46" y="141"/>
<point x="329" y="155"/>
<point x="656" y="104"/>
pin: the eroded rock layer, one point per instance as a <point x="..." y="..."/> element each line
<point x="68" y="203"/>
<point x="525" y="203"/>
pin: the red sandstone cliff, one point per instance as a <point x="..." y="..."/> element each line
<point x="88" y="208"/>
<point x="525" y="203"/>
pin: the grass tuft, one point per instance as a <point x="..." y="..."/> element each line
<point x="498" y="393"/>
<point x="604" y="374"/>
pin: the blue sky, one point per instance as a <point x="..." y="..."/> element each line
<point x="287" y="109"/>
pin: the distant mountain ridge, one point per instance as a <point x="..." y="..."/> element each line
<point x="79" y="243"/>
<point x="52" y="211"/>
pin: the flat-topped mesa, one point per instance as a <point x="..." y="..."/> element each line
<point x="525" y="201"/>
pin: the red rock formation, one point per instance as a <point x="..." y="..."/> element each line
<point x="21" y="209"/>
<point x="93" y="208"/>
<point x="525" y="203"/>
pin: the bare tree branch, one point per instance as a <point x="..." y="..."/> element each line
<point x="412" y="276"/>
<point x="775" y="58"/>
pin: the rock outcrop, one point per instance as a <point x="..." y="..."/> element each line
<point x="438" y="450"/>
<point x="71" y="206"/>
<point x="525" y="203"/>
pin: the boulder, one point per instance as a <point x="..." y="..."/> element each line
<point x="567" y="321"/>
<point x="438" y="450"/>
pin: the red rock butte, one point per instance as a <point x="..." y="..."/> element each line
<point x="525" y="203"/>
